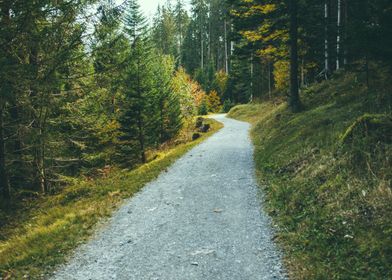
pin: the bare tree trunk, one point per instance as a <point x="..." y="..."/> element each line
<point x="345" y="32"/>
<point x="326" y="43"/>
<point x="179" y="45"/>
<point x="231" y="42"/>
<point x="201" y="45"/>
<point x="226" y="48"/>
<point x="294" y="100"/>
<point x="338" y="36"/>
<point x="4" y="186"/>
<point x="209" y="33"/>
<point x="201" y="52"/>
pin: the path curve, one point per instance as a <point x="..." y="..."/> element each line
<point x="202" y="219"/>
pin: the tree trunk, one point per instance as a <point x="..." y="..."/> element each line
<point x="338" y="36"/>
<point x="4" y="186"/>
<point x="140" y="122"/>
<point x="17" y="179"/>
<point x="209" y="35"/>
<point x="251" y="77"/>
<point x="231" y="42"/>
<point x="141" y="139"/>
<point x="345" y="33"/>
<point x="179" y="47"/>
<point x="294" y="101"/>
<point x="162" y="122"/>
<point x="226" y="48"/>
<point x="39" y="149"/>
<point x="39" y="116"/>
<point x="201" y="44"/>
<point x="326" y="43"/>
<point x="41" y="160"/>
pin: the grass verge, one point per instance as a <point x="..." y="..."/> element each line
<point x="44" y="235"/>
<point x="327" y="177"/>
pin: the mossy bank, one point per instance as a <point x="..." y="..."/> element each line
<point x="327" y="173"/>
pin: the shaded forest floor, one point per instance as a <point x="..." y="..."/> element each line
<point x="39" y="233"/>
<point x="327" y="176"/>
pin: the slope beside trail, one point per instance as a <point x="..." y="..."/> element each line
<point x="201" y="219"/>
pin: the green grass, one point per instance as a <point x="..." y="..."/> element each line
<point x="45" y="234"/>
<point x="327" y="176"/>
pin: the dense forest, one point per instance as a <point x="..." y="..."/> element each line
<point x="86" y="84"/>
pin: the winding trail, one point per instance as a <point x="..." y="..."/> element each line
<point x="200" y="220"/>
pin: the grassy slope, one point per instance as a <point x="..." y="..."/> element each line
<point x="47" y="233"/>
<point x="327" y="176"/>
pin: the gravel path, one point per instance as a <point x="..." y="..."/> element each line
<point x="201" y="219"/>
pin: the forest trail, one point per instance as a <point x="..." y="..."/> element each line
<point x="201" y="219"/>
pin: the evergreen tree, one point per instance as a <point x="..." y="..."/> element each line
<point x="181" y="19"/>
<point x="168" y="103"/>
<point x="137" y="110"/>
<point x="164" y="31"/>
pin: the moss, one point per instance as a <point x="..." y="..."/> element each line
<point x="376" y="126"/>
<point x="327" y="178"/>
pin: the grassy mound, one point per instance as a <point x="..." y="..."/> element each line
<point x="327" y="176"/>
<point x="46" y="230"/>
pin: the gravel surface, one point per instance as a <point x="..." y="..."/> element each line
<point x="202" y="219"/>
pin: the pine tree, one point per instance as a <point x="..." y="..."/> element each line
<point x="135" y="25"/>
<point x="168" y="103"/>
<point x="164" y="31"/>
<point x="181" y="19"/>
<point x="137" y="110"/>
